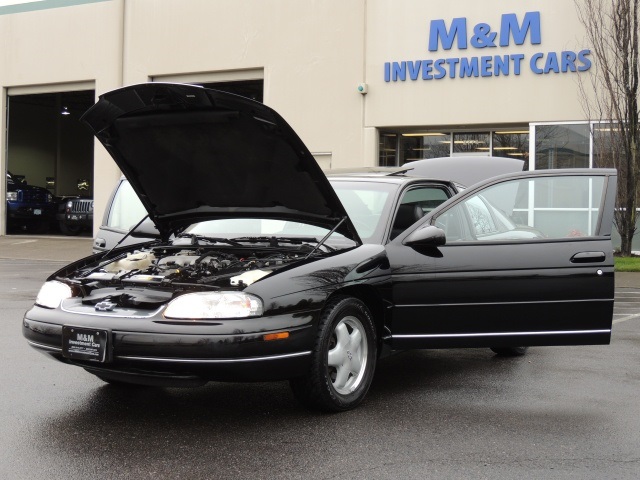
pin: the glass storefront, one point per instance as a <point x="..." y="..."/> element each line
<point x="512" y="143"/>
<point x="471" y="143"/>
<point x="562" y="146"/>
<point x="399" y="147"/>
<point x="607" y="150"/>
<point x="420" y="145"/>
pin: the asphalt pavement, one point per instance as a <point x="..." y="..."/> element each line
<point x="556" y="413"/>
<point x="52" y="248"/>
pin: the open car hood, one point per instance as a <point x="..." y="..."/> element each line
<point x="193" y="154"/>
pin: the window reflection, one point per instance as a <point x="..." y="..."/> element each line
<point x="527" y="209"/>
<point x="397" y="148"/>
<point x="608" y="150"/>
<point x="387" y="146"/>
<point x="512" y="144"/>
<point x="421" y="145"/>
<point x="472" y="142"/>
<point x="562" y="146"/>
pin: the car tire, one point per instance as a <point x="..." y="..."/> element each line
<point x="509" y="351"/>
<point x="70" y="230"/>
<point x="343" y="359"/>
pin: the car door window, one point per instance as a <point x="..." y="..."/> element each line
<point x="481" y="218"/>
<point x="416" y="202"/>
<point x="126" y="208"/>
<point x="529" y="208"/>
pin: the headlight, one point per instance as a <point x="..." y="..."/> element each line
<point x="214" y="305"/>
<point x="12" y="196"/>
<point x="52" y="293"/>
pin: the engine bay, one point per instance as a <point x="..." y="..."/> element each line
<point x="179" y="266"/>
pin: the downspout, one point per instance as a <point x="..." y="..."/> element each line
<point x="4" y="141"/>
<point x="363" y="146"/>
<point x="123" y="29"/>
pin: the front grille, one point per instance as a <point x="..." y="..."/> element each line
<point x="82" y="206"/>
<point x="32" y="196"/>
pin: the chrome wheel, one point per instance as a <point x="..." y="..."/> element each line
<point x="348" y="355"/>
<point x="343" y="359"/>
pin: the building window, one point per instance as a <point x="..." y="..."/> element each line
<point x="388" y="150"/>
<point x="606" y="146"/>
<point x="512" y="144"/>
<point x="421" y="145"/>
<point x="562" y="146"/>
<point x="399" y="147"/>
<point x="471" y="143"/>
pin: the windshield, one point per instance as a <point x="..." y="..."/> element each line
<point x="365" y="202"/>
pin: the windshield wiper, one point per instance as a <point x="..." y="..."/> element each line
<point x="197" y="238"/>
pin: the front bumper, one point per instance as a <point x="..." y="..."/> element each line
<point x="22" y="211"/>
<point x="156" y="352"/>
<point x="82" y="219"/>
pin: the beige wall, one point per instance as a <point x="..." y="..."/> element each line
<point x="48" y="50"/>
<point x="468" y="101"/>
<point x="312" y="55"/>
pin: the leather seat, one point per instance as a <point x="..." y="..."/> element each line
<point x="407" y="215"/>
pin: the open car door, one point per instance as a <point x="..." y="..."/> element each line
<point x="528" y="260"/>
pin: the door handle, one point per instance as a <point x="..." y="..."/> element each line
<point x="588" y="257"/>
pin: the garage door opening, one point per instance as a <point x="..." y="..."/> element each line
<point x="49" y="159"/>
<point x="253" y="89"/>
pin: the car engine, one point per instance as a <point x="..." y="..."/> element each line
<point x="169" y="266"/>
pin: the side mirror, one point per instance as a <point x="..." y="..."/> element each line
<point x="428" y="236"/>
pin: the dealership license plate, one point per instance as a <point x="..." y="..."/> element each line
<point x="84" y="343"/>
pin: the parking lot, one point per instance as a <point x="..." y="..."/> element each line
<point x="558" y="412"/>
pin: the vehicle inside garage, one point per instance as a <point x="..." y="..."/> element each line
<point x="49" y="158"/>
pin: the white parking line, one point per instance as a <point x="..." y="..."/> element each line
<point x="22" y="242"/>
<point x="628" y="317"/>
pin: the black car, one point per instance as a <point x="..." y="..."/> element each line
<point x="261" y="274"/>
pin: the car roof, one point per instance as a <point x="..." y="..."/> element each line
<point x="458" y="170"/>
<point x="379" y="177"/>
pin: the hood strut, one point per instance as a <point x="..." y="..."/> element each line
<point x="324" y="239"/>
<point x="125" y="236"/>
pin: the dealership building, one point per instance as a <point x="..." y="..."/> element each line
<point x="363" y="82"/>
